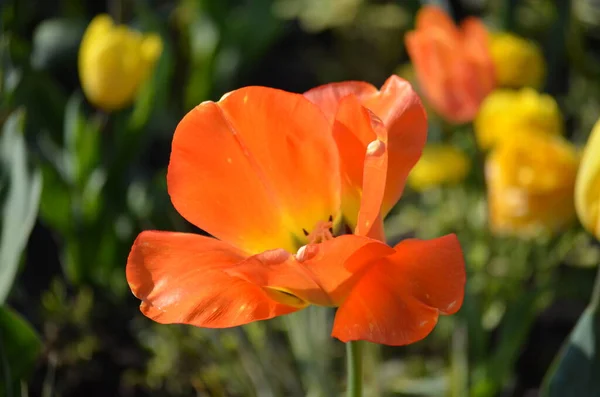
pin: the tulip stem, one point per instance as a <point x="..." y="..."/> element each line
<point x="355" y="370"/>
<point x="508" y="14"/>
<point x="595" y="301"/>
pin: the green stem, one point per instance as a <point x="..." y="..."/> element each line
<point x="508" y="14"/>
<point x="354" y="365"/>
<point x="595" y="301"/>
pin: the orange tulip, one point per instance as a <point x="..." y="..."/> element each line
<point x="454" y="66"/>
<point x="405" y="130"/>
<point x="267" y="173"/>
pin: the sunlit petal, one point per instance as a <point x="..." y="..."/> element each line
<point x="399" y="297"/>
<point x="255" y="168"/>
<point x="182" y="278"/>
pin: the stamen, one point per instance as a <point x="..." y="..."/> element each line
<point x="305" y="232"/>
<point x="321" y="232"/>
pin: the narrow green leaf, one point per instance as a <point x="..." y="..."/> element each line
<point x="497" y="368"/>
<point x="20" y="204"/>
<point x="153" y="94"/>
<point x="56" y="202"/>
<point x="576" y="370"/>
<point x="56" y="43"/>
<point x="19" y="348"/>
<point x="81" y="137"/>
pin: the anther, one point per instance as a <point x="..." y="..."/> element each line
<point x="305" y="232"/>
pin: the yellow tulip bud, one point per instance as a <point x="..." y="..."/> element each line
<point x="530" y="182"/>
<point x="587" y="186"/>
<point x="114" y="61"/>
<point x="439" y="164"/>
<point x="518" y="62"/>
<point x="505" y="114"/>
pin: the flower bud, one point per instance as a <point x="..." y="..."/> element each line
<point x="114" y="61"/>
<point x="587" y="187"/>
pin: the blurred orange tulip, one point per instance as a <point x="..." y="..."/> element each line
<point x="265" y="172"/>
<point x="454" y="66"/>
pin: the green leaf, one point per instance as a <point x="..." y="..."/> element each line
<point x="22" y="188"/>
<point x="154" y="93"/>
<point x="82" y="141"/>
<point x="154" y="96"/>
<point x="55" y="204"/>
<point x="56" y="43"/>
<point x="576" y="370"/>
<point x="497" y="368"/>
<point x="43" y="97"/>
<point x="204" y="39"/>
<point x="19" y="348"/>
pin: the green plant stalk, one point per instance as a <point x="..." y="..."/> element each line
<point x="508" y="14"/>
<point x="459" y="361"/>
<point x="354" y="368"/>
<point x="595" y="301"/>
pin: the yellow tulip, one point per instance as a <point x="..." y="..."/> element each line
<point x="114" y="61"/>
<point x="505" y="114"/>
<point x="531" y="180"/>
<point x="439" y="164"/>
<point x="587" y="186"/>
<point x="518" y="62"/>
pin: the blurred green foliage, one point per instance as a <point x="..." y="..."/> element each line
<point x="20" y="191"/>
<point x="70" y="326"/>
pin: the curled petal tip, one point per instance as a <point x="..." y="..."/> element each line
<point x="302" y="254"/>
<point x="376" y="148"/>
<point x="225" y="95"/>
<point x="306" y="252"/>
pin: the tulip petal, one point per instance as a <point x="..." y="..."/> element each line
<point x="434" y="18"/>
<point x="255" y="169"/>
<point x="283" y="276"/>
<point x="437" y="62"/>
<point x="182" y="278"/>
<point x="402" y="112"/>
<point x="362" y="143"/>
<point x="328" y="96"/>
<point x="477" y="51"/>
<point x="336" y="264"/>
<point x="376" y="312"/>
<point x="398" y="299"/>
<point x="587" y="185"/>
<point x="453" y="66"/>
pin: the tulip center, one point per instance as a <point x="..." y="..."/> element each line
<point x="322" y="231"/>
